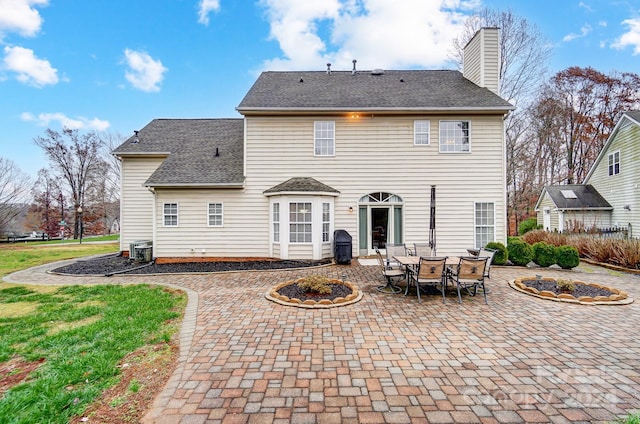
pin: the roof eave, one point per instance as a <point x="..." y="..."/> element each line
<point x="141" y="154"/>
<point x="391" y="111"/>
<point x="195" y="185"/>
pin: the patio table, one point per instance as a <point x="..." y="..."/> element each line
<point x="411" y="263"/>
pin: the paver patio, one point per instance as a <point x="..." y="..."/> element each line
<point x="389" y="359"/>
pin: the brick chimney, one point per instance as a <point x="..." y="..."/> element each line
<point x="481" y="63"/>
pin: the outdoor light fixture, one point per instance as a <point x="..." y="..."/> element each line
<point x="350" y="208"/>
<point x="80" y="226"/>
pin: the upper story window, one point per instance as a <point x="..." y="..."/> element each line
<point x="454" y="136"/>
<point x="300" y="222"/>
<point x="170" y="214"/>
<point x="324" y="138"/>
<point x="614" y="163"/>
<point x="421" y="132"/>
<point x="215" y="214"/>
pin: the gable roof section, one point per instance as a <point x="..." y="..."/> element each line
<point x="399" y="91"/>
<point x="190" y="146"/>
<point x="631" y="116"/>
<point x="586" y="197"/>
<point x="301" y="185"/>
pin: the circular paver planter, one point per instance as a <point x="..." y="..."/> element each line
<point x="617" y="297"/>
<point x="276" y="297"/>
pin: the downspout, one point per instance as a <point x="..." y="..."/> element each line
<point x="154" y="219"/>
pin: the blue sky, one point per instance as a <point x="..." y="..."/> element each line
<point x="115" y="65"/>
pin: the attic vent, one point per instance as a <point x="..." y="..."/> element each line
<point x="377" y="71"/>
<point x="569" y="194"/>
<point x="135" y="139"/>
<point x="328" y="68"/>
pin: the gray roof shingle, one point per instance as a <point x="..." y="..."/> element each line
<point x="191" y="146"/>
<point x="301" y="184"/>
<point x="418" y="90"/>
<point x="587" y="197"/>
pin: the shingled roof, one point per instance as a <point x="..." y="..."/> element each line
<point x="413" y="90"/>
<point x="200" y="152"/>
<point x="586" y="197"/>
<point x="301" y="185"/>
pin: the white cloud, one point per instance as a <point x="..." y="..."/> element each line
<point x="631" y="38"/>
<point x="584" y="31"/>
<point x="205" y="7"/>
<point x="378" y="33"/>
<point x="20" y="16"/>
<point x="144" y="72"/>
<point x="44" y="119"/>
<point x="30" y="69"/>
<point x="585" y="6"/>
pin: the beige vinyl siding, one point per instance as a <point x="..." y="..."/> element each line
<point x="624" y="188"/>
<point x="482" y="59"/>
<point x="546" y="202"/>
<point x="245" y="232"/>
<point x="377" y="153"/>
<point x="136" y="216"/>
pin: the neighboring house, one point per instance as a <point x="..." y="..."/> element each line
<point x="320" y="151"/>
<point x="565" y="207"/>
<point x="611" y="187"/>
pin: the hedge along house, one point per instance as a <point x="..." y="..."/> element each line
<point x="610" y="195"/>
<point x="317" y="151"/>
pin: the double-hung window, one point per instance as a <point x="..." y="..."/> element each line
<point x="421" y="132"/>
<point x="614" y="163"/>
<point x="326" y="221"/>
<point x="300" y="222"/>
<point x="485" y="223"/>
<point x="276" y="222"/>
<point x="454" y="136"/>
<point x="324" y="138"/>
<point x="170" y="214"/>
<point x="215" y="214"/>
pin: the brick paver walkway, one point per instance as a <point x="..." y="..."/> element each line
<point x="389" y="359"/>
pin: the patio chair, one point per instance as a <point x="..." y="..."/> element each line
<point x="389" y="274"/>
<point x="487" y="253"/>
<point x="432" y="271"/>
<point x="395" y="250"/>
<point x="421" y="249"/>
<point x="469" y="275"/>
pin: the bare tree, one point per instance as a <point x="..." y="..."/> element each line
<point x="14" y="189"/>
<point x="76" y="159"/>
<point x="524" y="53"/>
<point x="579" y="107"/>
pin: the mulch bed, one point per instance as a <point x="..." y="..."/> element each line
<point x="580" y="290"/>
<point x="293" y="291"/>
<point x="116" y="264"/>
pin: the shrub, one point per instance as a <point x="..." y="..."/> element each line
<point x="315" y="284"/>
<point x="501" y="255"/>
<point x="527" y="225"/>
<point x="567" y="257"/>
<point x="544" y="254"/>
<point x="520" y="252"/>
<point x="565" y="285"/>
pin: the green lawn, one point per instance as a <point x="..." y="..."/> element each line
<point x="77" y="335"/>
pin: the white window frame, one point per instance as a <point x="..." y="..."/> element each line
<point x="453" y="140"/>
<point x="215" y="214"/>
<point x="326" y="222"/>
<point x="483" y="230"/>
<point x="421" y="132"/>
<point x="275" y="214"/>
<point x="324" y="138"/>
<point x="300" y="223"/>
<point x="612" y="162"/>
<point x="167" y="215"/>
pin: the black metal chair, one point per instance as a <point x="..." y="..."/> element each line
<point x="432" y="271"/>
<point x="469" y="275"/>
<point x="389" y="272"/>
